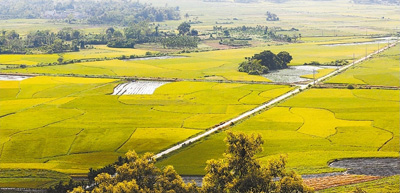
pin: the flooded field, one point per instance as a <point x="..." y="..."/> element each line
<point x="293" y="73"/>
<point x="137" y="87"/>
<point x="13" y="77"/>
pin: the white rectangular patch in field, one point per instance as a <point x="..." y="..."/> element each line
<point x="137" y="87"/>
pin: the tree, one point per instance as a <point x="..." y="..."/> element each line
<point x="239" y="171"/>
<point x="140" y="174"/>
<point x="253" y="67"/>
<point x="285" y="57"/>
<point x="184" y="28"/>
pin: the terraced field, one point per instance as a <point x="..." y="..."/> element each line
<point x="53" y="122"/>
<point x="313" y="128"/>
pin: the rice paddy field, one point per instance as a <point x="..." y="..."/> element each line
<point x="53" y="122"/>
<point x="61" y="123"/>
<point x="313" y="129"/>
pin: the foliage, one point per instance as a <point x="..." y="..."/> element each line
<point x="180" y="42"/>
<point x="139" y="174"/>
<point x="184" y="28"/>
<point x="92" y="12"/>
<point x="264" y="61"/>
<point x="272" y="16"/>
<point x="253" y="67"/>
<point x="239" y="171"/>
<point x="43" y="41"/>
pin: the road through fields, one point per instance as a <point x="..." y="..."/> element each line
<point x="300" y="88"/>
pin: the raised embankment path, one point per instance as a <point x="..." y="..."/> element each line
<point x="300" y="88"/>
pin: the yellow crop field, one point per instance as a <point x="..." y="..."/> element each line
<point x="67" y="123"/>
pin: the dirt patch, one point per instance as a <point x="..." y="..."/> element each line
<point x="341" y="180"/>
<point x="370" y="166"/>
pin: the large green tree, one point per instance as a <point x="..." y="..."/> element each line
<point x="184" y="28"/>
<point x="239" y="171"/>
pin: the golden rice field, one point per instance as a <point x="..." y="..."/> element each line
<point x="71" y="124"/>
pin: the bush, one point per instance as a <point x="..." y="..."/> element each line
<point x="350" y="86"/>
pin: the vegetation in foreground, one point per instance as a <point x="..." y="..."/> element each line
<point x="239" y="171"/>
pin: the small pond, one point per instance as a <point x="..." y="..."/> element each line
<point x="13" y="77"/>
<point x="293" y="73"/>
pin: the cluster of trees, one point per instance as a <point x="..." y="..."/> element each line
<point x="238" y="171"/>
<point x="272" y="16"/>
<point x="187" y="38"/>
<point x="68" y="39"/>
<point x="259" y="30"/>
<point x="43" y="41"/>
<point x="121" y="12"/>
<point x="263" y="62"/>
<point x="332" y="63"/>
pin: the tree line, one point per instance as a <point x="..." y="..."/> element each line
<point x="238" y="171"/>
<point x="116" y="12"/>
<point x="263" y="62"/>
<point x="265" y="32"/>
<point x="68" y="39"/>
